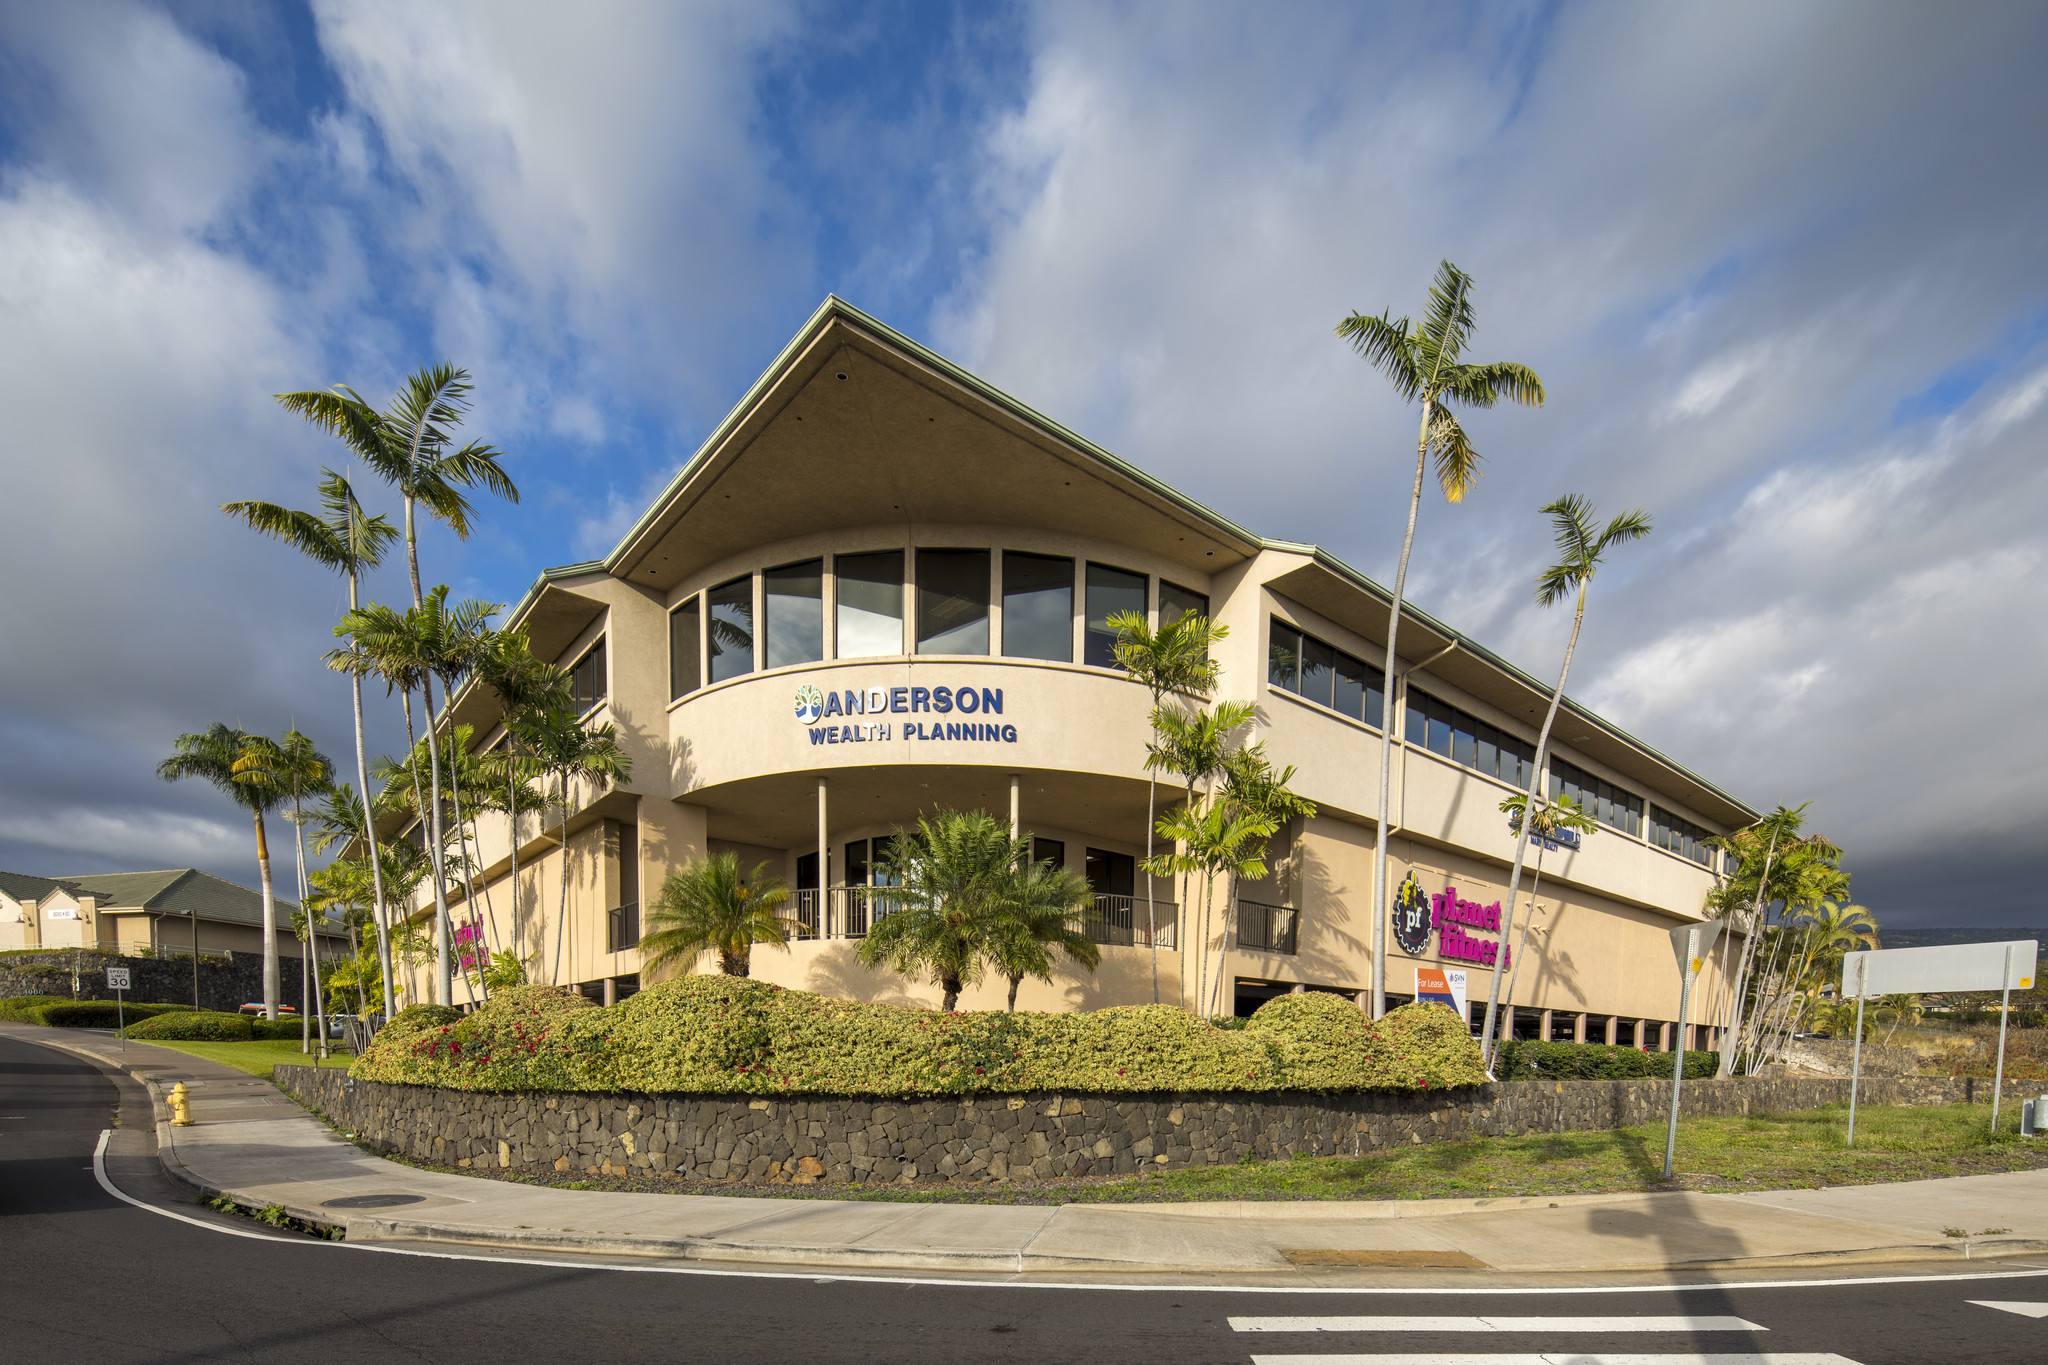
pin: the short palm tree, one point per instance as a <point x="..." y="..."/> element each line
<point x="708" y="907"/>
<point x="1043" y="910"/>
<point x="1581" y="549"/>
<point x="1214" y="840"/>
<point x="571" y="752"/>
<point x="303" y="772"/>
<point x="958" y="876"/>
<point x="526" y="687"/>
<point x="1425" y="364"/>
<point x="342" y="537"/>
<point x="1193" y="744"/>
<point x="211" y="756"/>
<point x="1175" y="659"/>
<point x="1253" y="787"/>
<point x="1561" y="816"/>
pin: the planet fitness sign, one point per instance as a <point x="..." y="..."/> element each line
<point x="1450" y="915"/>
<point x="837" y="709"/>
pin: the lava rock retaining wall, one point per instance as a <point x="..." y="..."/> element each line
<point x="225" y="983"/>
<point x="993" y="1137"/>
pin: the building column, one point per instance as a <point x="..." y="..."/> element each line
<point x="611" y="991"/>
<point x="824" y="863"/>
<point x="1613" y="1029"/>
<point x="1016" y="805"/>
<point x="1643" y="1039"/>
<point x="1579" y="1029"/>
<point x="1543" y="1026"/>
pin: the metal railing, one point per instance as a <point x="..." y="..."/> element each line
<point x="1266" y="928"/>
<point x="1121" y="922"/>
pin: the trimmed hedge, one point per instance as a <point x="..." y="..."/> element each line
<point x="61" y="1011"/>
<point x="733" y="1035"/>
<point x="23" y="1009"/>
<point x="1533" y="1061"/>
<point x="194" y="1026"/>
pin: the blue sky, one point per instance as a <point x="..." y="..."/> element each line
<point x="1780" y="266"/>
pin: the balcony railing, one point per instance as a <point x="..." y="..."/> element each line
<point x="850" y="911"/>
<point x="1126" y="922"/>
<point x="1266" y="928"/>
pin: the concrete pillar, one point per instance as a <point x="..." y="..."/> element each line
<point x="824" y="861"/>
<point x="1016" y="804"/>
<point x="611" y="991"/>
<point x="1613" y="1029"/>
<point x="1543" y="1027"/>
<point x="1579" y="1029"/>
<point x="1644" y="1038"/>
<point x="1663" y="1037"/>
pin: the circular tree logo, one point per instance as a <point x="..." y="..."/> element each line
<point x="810" y="704"/>
<point x="1411" y="917"/>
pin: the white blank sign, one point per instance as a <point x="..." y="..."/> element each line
<point x="1950" y="967"/>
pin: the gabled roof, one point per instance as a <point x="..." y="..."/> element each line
<point x="23" y="887"/>
<point x="180" y="891"/>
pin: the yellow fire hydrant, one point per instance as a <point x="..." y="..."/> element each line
<point x="181" y="1105"/>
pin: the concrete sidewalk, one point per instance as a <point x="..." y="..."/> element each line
<point x="254" y="1144"/>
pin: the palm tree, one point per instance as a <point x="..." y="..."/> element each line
<point x="1253" y="787"/>
<point x="709" y="907"/>
<point x="1173" y="659"/>
<point x="211" y="757"/>
<point x="302" y="771"/>
<point x="351" y="542"/>
<point x="570" y="751"/>
<point x="1193" y="744"/>
<point x="1776" y="868"/>
<point x="1213" y="840"/>
<point x="1580" y="552"/>
<point x="526" y="686"/>
<point x="958" y="878"/>
<point x="1424" y="365"/>
<point x="1043" y="908"/>
<point x="1561" y="816"/>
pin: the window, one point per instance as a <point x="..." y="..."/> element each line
<point x="870" y="592"/>
<point x="732" y="629"/>
<point x="1038" y="607"/>
<point x="1109" y="592"/>
<point x="1602" y="800"/>
<point x="794" y="598"/>
<point x="1052" y="851"/>
<point x="855" y="860"/>
<point x="1111" y="874"/>
<point x="952" y="601"/>
<point x="1443" y="729"/>
<point x="685" y="650"/>
<point x="586" y="679"/>
<point x="1681" y="836"/>
<point x="1325" y="675"/>
<point x="1176" y="602"/>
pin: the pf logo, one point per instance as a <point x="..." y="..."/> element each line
<point x="810" y="704"/>
<point x="1411" y="917"/>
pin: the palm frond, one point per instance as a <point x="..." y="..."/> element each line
<point x="1482" y="386"/>
<point x="302" y="531"/>
<point x="1447" y="324"/>
<point x="1457" y="463"/>
<point x="1385" y="345"/>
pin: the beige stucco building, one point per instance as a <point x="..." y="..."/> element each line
<point x="879" y="588"/>
<point x="173" y="911"/>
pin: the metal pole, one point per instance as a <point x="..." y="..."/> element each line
<point x="2004" y="1009"/>
<point x="1692" y="948"/>
<point x="121" y="1020"/>
<point x="1856" y="1062"/>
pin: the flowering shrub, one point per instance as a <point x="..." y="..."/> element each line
<point x="732" y="1035"/>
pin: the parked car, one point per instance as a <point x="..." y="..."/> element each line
<point x="256" y="1007"/>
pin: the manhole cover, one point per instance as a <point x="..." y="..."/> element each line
<point x="372" y="1201"/>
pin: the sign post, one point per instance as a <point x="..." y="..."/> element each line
<point x="117" y="982"/>
<point x="1856" y="1053"/>
<point x="1951" y="967"/>
<point x="1690" y="944"/>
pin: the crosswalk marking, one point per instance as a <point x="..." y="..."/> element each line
<point x="1567" y="1358"/>
<point x="2025" y="1310"/>
<point x="1491" y="1323"/>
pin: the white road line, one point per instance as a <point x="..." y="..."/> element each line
<point x="99" y="1173"/>
<point x="1492" y="1323"/>
<point x="1566" y="1358"/>
<point x="2025" y="1310"/>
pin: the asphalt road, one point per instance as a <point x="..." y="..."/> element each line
<point x="86" y="1277"/>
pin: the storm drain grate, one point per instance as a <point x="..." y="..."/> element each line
<point x="373" y="1201"/>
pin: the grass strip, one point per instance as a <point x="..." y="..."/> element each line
<point x="258" y="1057"/>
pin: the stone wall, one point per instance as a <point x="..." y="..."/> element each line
<point x="225" y="983"/>
<point x="1035" y="1137"/>
<point x="1837" y="1057"/>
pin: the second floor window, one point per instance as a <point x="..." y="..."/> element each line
<point x="732" y="629"/>
<point x="1463" y="738"/>
<point x="685" y="664"/>
<point x="1601" y="799"/>
<point x="1109" y="591"/>
<point x="586" y="679"/>
<point x="1681" y="836"/>
<point x="952" y="601"/>
<point x="1038" y="607"/>
<point x="1323" y="674"/>
<point x="869" y="590"/>
<point x="794" y="596"/>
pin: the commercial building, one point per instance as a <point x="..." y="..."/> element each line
<point x="144" y="914"/>
<point x="880" y="588"/>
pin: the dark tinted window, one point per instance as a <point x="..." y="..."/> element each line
<point x="1109" y="591"/>
<point x="586" y="679"/>
<point x="869" y="589"/>
<point x="1283" y="657"/>
<point x="1038" y="607"/>
<point x="685" y="661"/>
<point x="856" y="859"/>
<point x="1052" y="851"/>
<point x="1318" y="669"/>
<point x="1605" y="802"/>
<point x="794" y="596"/>
<point x="732" y="629"/>
<point x="1324" y="674"/>
<point x="1681" y="836"/>
<point x="1465" y="739"/>
<point x="1176" y="602"/>
<point x="1111" y="874"/>
<point x="952" y="601"/>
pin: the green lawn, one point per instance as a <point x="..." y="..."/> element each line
<point x="256" y="1058"/>
<point x="1764" y="1152"/>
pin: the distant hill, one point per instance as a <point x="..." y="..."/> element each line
<point x="1934" y="938"/>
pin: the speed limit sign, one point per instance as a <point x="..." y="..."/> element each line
<point x="117" y="979"/>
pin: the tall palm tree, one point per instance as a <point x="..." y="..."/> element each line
<point x="571" y="752"/>
<point x="1581" y="549"/>
<point x="1562" y="816"/>
<point x="958" y="878"/>
<point x="1043" y="910"/>
<point x="709" y="907"/>
<point x="1253" y="786"/>
<point x="305" y="773"/>
<point x="346" y="539"/>
<point x="211" y="756"/>
<point x="1424" y="362"/>
<point x="1192" y="743"/>
<point x="1175" y="659"/>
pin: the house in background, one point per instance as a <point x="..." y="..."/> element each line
<point x="144" y="914"/>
